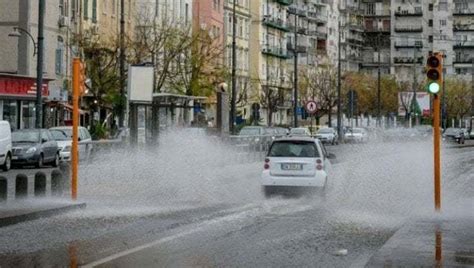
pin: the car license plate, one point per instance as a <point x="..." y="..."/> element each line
<point x="291" y="166"/>
<point x="14" y="157"/>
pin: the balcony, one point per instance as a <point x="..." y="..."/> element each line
<point x="378" y="13"/>
<point x="354" y="26"/>
<point x="463" y="12"/>
<point x="464" y="45"/>
<point x="417" y="44"/>
<point x="408" y="29"/>
<point x="299" y="48"/>
<point x="354" y="41"/>
<point x="275" y="51"/>
<point x="318" y="34"/>
<point x="276" y="23"/>
<point x="297" y="11"/>
<point x="316" y="16"/>
<point x="463" y="28"/>
<point x="377" y="29"/>
<point x="285" y="2"/>
<point x="467" y="59"/>
<point x="407" y="60"/>
<point x="407" y="13"/>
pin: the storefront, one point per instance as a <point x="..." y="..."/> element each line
<point x="18" y="99"/>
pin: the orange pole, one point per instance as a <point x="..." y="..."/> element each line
<point x="76" y="72"/>
<point x="437" y="153"/>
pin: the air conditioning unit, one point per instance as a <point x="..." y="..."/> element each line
<point x="63" y="21"/>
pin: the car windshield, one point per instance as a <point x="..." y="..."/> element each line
<point x="326" y="131"/>
<point x="298" y="131"/>
<point x="250" y="132"/>
<point x="356" y="130"/>
<point x="65" y="131"/>
<point x="59" y="135"/>
<point x="452" y="131"/>
<point x="293" y="149"/>
<point x="31" y="136"/>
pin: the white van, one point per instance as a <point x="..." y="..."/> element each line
<point x="5" y="145"/>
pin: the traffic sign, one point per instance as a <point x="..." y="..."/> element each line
<point x="311" y="107"/>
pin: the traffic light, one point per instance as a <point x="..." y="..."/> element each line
<point x="434" y="72"/>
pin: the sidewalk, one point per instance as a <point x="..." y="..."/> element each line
<point x="28" y="210"/>
<point x="443" y="243"/>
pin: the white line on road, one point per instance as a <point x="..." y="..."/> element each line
<point x="201" y="226"/>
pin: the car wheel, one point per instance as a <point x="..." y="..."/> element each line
<point x="56" y="161"/>
<point x="267" y="191"/>
<point x="40" y="162"/>
<point x="8" y="163"/>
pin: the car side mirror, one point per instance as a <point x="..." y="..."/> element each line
<point x="331" y="156"/>
<point x="44" y="140"/>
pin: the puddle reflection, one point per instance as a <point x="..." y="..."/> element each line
<point x="72" y="251"/>
<point x="439" y="247"/>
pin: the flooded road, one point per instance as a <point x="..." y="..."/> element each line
<point x="200" y="206"/>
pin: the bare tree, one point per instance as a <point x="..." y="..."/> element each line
<point x="160" y="41"/>
<point x="200" y="69"/>
<point x="322" y="87"/>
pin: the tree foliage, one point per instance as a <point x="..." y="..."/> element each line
<point x="458" y="98"/>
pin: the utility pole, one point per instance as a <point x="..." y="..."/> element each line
<point x="339" y="119"/>
<point x="295" y="93"/>
<point x="234" y="67"/>
<point x="472" y="93"/>
<point x="379" y="102"/>
<point x="122" y="63"/>
<point x="415" y="82"/>
<point x="39" y="67"/>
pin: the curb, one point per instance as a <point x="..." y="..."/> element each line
<point x="39" y="214"/>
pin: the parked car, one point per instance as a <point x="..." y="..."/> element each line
<point x="255" y="135"/>
<point x="295" y="162"/>
<point x="34" y="147"/>
<point x="300" y="131"/>
<point x="63" y="136"/>
<point x="356" y="135"/>
<point x="327" y="135"/>
<point x="5" y="145"/>
<point x="467" y="134"/>
<point x="454" y="134"/>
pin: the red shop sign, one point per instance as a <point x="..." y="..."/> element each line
<point x="21" y="86"/>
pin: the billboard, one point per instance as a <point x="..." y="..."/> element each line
<point x="422" y="105"/>
<point x="140" y="84"/>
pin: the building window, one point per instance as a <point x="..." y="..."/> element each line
<point x="86" y="9"/>
<point x="186" y="16"/>
<point x="430" y="39"/>
<point x="114" y="7"/>
<point x="94" y="11"/>
<point x="430" y="23"/>
<point x="442" y="22"/>
<point x="59" y="57"/>
<point x="10" y="112"/>
<point x="62" y="10"/>
<point x="430" y="7"/>
<point x="443" y="6"/>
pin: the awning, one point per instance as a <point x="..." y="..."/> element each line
<point x="70" y="108"/>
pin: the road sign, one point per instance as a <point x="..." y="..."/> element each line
<point x="311" y="107"/>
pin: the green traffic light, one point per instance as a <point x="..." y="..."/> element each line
<point x="433" y="88"/>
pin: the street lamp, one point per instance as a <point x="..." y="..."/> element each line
<point x="17" y="33"/>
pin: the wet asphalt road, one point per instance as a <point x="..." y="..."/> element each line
<point x="281" y="232"/>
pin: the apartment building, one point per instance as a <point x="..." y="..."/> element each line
<point x="107" y="14"/>
<point x="352" y="34"/>
<point x="170" y="11"/>
<point x="247" y="94"/>
<point x="377" y="31"/>
<point x="18" y="54"/>
<point x="308" y="21"/>
<point x="463" y="36"/>
<point x="269" y="59"/>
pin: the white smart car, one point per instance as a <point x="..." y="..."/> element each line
<point x="295" y="162"/>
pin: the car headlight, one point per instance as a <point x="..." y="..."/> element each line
<point x="31" y="150"/>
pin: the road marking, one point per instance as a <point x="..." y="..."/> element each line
<point x="204" y="225"/>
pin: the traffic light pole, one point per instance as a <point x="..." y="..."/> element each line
<point x="437" y="156"/>
<point x="76" y="73"/>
